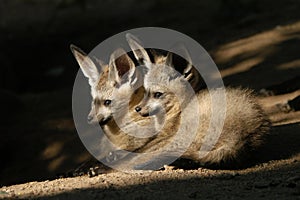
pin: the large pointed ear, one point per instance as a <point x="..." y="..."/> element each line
<point x="182" y="63"/>
<point x="121" y="68"/>
<point x="138" y="50"/>
<point x="87" y="66"/>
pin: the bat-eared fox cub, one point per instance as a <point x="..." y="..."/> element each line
<point x="142" y="109"/>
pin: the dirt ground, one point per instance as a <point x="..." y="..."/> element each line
<point x="42" y="142"/>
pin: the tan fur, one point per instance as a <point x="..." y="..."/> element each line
<point x="244" y="126"/>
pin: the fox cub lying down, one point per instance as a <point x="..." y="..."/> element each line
<point x="160" y="116"/>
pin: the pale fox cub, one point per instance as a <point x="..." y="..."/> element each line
<point x="115" y="91"/>
<point x="244" y="127"/>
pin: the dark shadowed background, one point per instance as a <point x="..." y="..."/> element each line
<point x="255" y="43"/>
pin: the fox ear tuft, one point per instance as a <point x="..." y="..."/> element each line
<point x="138" y="50"/>
<point x="121" y="67"/>
<point x="86" y="64"/>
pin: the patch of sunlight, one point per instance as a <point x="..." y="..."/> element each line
<point x="241" y="66"/>
<point x="54" y="164"/>
<point x="255" y="44"/>
<point x="290" y="65"/>
<point x="52" y="150"/>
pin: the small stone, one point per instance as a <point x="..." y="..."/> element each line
<point x="168" y="168"/>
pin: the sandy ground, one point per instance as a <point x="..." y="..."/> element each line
<point x="273" y="180"/>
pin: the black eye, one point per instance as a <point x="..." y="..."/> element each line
<point x="157" y="95"/>
<point x="107" y="102"/>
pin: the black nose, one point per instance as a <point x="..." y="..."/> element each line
<point x="89" y="119"/>
<point x="138" y="109"/>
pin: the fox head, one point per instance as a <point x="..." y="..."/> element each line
<point x="108" y="83"/>
<point x="166" y="88"/>
<point x="167" y="91"/>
